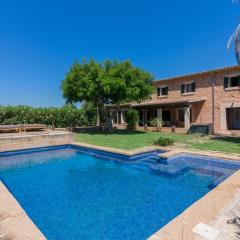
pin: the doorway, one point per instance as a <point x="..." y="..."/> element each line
<point x="233" y="118"/>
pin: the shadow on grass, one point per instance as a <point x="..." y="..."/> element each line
<point x="235" y="140"/>
<point x="114" y="132"/>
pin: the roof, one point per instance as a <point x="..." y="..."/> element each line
<point x="217" y="70"/>
<point x="168" y="102"/>
<point x="160" y="102"/>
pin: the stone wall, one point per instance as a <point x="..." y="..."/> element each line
<point x="224" y="98"/>
<point x="202" y="112"/>
<point x="18" y="141"/>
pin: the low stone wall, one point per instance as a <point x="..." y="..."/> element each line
<point x="153" y="129"/>
<point x="18" y="141"/>
<point x="86" y="129"/>
<point x="164" y="129"/>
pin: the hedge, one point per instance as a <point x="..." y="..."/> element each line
<point x="66" y="116"/>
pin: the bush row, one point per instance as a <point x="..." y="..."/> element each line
<point x="163" y="141"/>
<point x="66" y="116"/>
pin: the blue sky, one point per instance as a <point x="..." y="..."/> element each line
<point x="40" y="39"/>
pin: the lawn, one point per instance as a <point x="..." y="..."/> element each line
<point x="127" y="140"/>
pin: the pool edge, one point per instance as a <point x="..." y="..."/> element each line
<point x="179" y="228"/>
<point x="128" y="153"/>
<point x="15" y="223"/>
<point x="206" y="210"/>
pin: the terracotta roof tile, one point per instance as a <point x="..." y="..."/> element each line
<point x="168" y="102"/>
<point x="217" y="70"/>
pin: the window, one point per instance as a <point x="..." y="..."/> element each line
<point x="162" y="91"/>
<point x="231" y="82"/>
<point x="188" y="87"/>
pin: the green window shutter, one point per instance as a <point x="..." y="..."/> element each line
<point x="225" y="82"/>
<point x="182" y="88"/>
<point x="158" y="92"/>
<point x="193" y="86"/>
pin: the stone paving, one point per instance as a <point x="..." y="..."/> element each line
<point x="228" y="220"/>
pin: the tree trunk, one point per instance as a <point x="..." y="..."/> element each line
<point x="109" y="123"/>
<point x="107" y="118"/>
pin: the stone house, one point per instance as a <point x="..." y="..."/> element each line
<point x="209" y="97"/>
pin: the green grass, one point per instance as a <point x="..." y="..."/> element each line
<point x="127" y="140"/>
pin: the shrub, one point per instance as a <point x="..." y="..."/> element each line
<point x="89" y="114"/>
<point x="157" y="123"/>
<point x="161" y="141"/>
<point x="66" y="116"/>
<point x="132" y="119"/>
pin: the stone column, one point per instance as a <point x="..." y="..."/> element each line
<point x="159" y="114"/>
<point x="187" y="117"/>
<point x="122" y="121"/>
<point x="176" y="114"/>
<point x="117" y="117"/>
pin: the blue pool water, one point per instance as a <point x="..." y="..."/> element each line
<point x="74" y="193"/>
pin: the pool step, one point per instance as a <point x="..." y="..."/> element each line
<point x="170" y="167"/>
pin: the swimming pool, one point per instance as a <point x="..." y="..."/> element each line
<point x="78" y="193"/>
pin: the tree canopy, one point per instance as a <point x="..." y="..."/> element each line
<point x="111" y="82"/>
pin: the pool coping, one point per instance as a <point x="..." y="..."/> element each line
<point x="214" y="154"/>
<point x="16" y="224"/>
<point x="168" y="151"/>
<point x="128" y="153"/>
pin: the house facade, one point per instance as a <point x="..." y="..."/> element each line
<point x="210" y="97"/>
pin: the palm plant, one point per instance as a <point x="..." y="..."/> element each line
<point x="236" y="38"/>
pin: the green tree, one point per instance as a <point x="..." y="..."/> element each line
<point x="89" y="114"/>
<point x="111" y="82"/>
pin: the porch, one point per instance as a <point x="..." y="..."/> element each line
<point x="179" y="114"/>
<point x="179" y="117"/>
